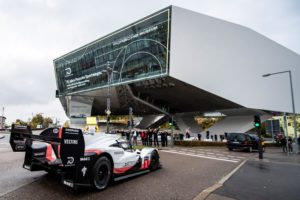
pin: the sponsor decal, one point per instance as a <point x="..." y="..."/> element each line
<point x="39" y="154"/>
<point x="83" y="170"/>
<point x="27" y="167"/>
<point x="85" y="159"/>
<point x="70" y="160"/>
<point x="68" y="71"/>
<point x="130" y="163"/>
<point x="118" y="152"/>
<point x="55" y="131"/>
<point x="69" y="141"/>
<point x="20" y="147"/>
<point x="67" y="183"/>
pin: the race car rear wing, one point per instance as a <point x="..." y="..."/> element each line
<point x="68" y="141"/>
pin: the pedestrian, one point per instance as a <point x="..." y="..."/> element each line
<point x="283" y="144"/>
<point x="216" y="137"/>
<point x="212" y="138"/>
<point x="207" y="134"/>
<point x="199" y="136"/>
<point x="187" y="133"/>
<point x="225" y="135"/>
<point x="143" y="138"/>
<point x="150" y="134"/>
<point x="155" y="135"/>
<point x="290" y="141"/>
<point x="135" y="134"/>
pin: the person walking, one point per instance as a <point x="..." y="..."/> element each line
<point x="283" y="144"/>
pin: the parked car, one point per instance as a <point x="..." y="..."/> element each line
<point x="243" y="141"/>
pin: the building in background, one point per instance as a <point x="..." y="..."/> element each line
<point x="2" y="122"/>
<point x="182" y="63"/>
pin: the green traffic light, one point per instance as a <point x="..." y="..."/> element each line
<point x="257" y="124"/>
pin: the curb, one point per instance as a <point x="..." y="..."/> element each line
<point x="205" y="193"/>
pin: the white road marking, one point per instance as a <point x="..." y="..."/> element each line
<point x="201" y="156"/>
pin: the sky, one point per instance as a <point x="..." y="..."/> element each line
<point x="35" y="32"/>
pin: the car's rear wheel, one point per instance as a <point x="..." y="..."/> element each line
<point x="102" y="172"/>
<point x="154" y="163"/>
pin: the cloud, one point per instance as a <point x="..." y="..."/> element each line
<point x="34" y="32"/>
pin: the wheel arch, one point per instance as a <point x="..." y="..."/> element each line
<point x="108" y="156"/>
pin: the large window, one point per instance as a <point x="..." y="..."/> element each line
<point x="138" y="51"/>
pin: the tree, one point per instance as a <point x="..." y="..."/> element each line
<point x="38" y="119"/>
<point x="20" y="122"/>
<point x="47" y="121"/>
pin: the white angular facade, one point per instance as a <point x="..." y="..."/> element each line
<point x="229" y="60"/>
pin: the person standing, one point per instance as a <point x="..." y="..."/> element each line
<point x="150" y="134"/>
<point x="135" y="134"/>
<point x="199" y="136"/>
<point x="283" y="143"/>
<point x="207" y="134"/>
<point x="290" y="141"/>
<point x="155" y="135"/>
<point x="143" y="138"/>
<point x="216" y="137"/>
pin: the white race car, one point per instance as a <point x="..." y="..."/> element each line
<point x="82" y="161"/>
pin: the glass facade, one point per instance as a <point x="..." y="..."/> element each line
<point x="138" y="51"/>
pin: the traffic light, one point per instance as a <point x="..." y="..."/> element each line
<point x="257" y="123"/>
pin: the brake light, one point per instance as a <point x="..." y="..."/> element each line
<point x="245" y="142"/>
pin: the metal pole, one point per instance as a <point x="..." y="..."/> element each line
<point x="2" y="119"/>
<point x="287" y="134"/>
<point x="260" y="150"/>
<point x="294" y="113"/>
<point x="272" y="130"/>
<point x="172" y="133"/>
<point x="130" y="125"/>
<point x="108" y="99"/>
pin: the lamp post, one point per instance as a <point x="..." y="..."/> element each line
<point x="109" y="72"/>
<point x="293" y="104"/>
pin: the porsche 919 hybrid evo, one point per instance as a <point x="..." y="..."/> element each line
<point x="82" y="160"/>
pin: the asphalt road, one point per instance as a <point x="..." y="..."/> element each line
<point x="271" y="178"/>
<point x="183" y="176"/>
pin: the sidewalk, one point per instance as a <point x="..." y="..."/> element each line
<point x="277" y="176"/>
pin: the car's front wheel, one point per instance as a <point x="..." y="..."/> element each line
<point x="154" y="163"/>
<point x="102" y="172"/>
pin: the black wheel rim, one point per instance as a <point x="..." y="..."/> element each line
<point x="102" y="174"/>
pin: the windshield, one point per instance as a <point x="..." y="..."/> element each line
<point x="236" y="137"/>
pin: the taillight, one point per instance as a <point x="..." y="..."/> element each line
<point x="245" y="142"/>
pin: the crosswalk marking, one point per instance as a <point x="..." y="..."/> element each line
<point x="202" y="156"/>
<point x="215" y="154"/>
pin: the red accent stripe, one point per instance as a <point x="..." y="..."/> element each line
<point x="58" y="146"/>
<point x="97" y="151"/>
<point x="121" y="170"/>
<point x="49" y="153"/>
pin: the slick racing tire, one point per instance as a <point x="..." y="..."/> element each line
<point x="154" y="163"/>
<point x="102" y="173"/>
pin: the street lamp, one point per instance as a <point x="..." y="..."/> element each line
<point x="293" y="104"/>
<point x="109" y="72"/>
